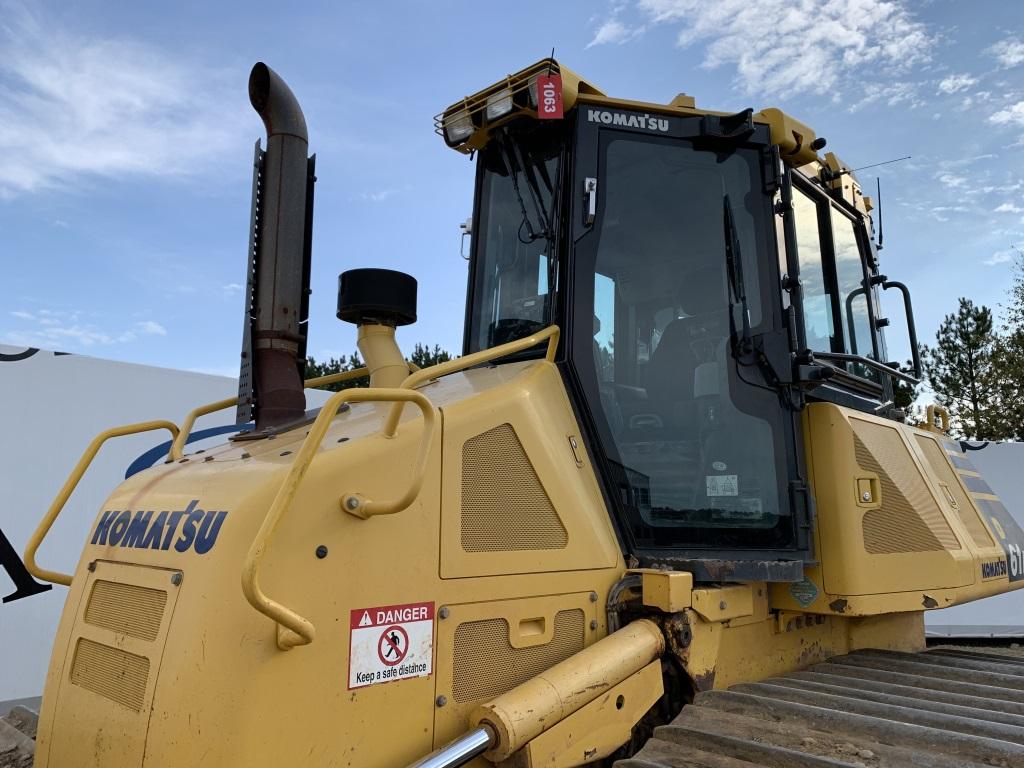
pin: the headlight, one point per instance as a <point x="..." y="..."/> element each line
<point x="458" y="127"/>
<point x="499" y="104"/>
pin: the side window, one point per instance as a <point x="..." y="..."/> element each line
<point x="850" y="280"/>
<point x="819" y="301"/>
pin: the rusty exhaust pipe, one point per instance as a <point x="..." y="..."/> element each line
<point x="279" y="279"/>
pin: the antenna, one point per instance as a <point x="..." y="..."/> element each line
<point x="864" y="167"/>
<point x="878" y="186"/>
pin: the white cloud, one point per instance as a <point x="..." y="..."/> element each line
<point x="1012" y="114"/>
<point x="1008" y="52"/>
<point x="951" y="180"/>
<point x="614" y="31"/>
<point x="780" y="46"/>
<point x="380" y="195"/>
<point x="232" y="288"/>
<point x="892" y="95"/>
<point x="1000" y="257"/>
<point x="152" y="328"/>
<point x="56" y="329"/>
<point x="956" y="83"/>
<point x="74" y="107"/>
<point x="1009" y="208"/>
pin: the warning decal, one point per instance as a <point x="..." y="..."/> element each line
<point x="391" y="642"/>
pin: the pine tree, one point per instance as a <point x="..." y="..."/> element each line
<point x="904" y="394"/>
<point x="337" y="365"/>
<point x="1010" y="357"/>
<point x="963" y="369"/>
<point x="424" y="356"/>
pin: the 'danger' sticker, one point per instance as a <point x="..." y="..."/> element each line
<point x="390" y="642"/>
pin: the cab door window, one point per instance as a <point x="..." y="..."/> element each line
<point x="819" y="299"/>
<point x="837" y="315"/>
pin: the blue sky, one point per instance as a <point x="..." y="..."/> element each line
<point x="127" y="142"/>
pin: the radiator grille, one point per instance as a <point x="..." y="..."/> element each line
<point x="909" y="519"/>
<point x="111" y="673"/>
<point x="504" y="505"/>
<point x="968" y="515"/>
<point x="485" y="663"/>
<point x="126" y="608"/>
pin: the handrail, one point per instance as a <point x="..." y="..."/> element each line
<point x="551" y="334"/>
<point x="293" y="629"/>
<point x="69" y="486"/>
<point x="178" y="447"/>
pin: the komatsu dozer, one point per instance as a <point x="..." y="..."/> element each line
<point x="661" y="511"/>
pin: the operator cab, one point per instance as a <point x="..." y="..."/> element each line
<point x="670" y="246"/>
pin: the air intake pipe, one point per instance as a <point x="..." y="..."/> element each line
<point x="279" y="272"/>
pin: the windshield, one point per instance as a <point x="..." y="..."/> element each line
<point x="678" y="254"/>
<point x="515" y="278"/>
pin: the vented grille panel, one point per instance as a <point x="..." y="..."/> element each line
<point x="111" y="673"/>
<point x="909" y="519"/>
<point x="486" y="665"/>
<point x="504" y="506"/>
<point x="126" y="608"/>
<point x="968" y="515"/>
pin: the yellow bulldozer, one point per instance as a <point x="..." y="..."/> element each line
<point x="661" y="512"/>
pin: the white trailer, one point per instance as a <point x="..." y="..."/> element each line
<point x="1001" y="616"/>
<point x="51" y="406"/>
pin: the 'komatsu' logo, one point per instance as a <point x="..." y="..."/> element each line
<point x="621" y="119"/>
<point x="152" y="530"/>
<point x="993" y="569"/>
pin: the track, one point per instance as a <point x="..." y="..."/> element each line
<point x="940" y="709"/>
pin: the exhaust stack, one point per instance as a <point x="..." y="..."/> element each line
<point x="277" y="285"/>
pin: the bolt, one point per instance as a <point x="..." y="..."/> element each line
<point x="443" y="613"/>
<point x="321" y="552"/>
<point x="441" y="700"/>
<point x="593" y="597"/>
<point x="352" y="503"/>
<point x="722" y="605"/>
<point x="683" y="636"/>
<point x="866" y="496"/>
<point x="593" y="623"/>
<point x="176" y="578"/>
<point x="91" y="566"/>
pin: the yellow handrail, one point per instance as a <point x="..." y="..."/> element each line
<point x="551" y="334"/>
<point x="293" y="629"/>
<point x="69" y="486"/>
<point x="178" y="447"/>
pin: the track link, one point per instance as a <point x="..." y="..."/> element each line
<point x="872" y="708"/>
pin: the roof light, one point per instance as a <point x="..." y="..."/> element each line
<point x="499" y="104"/>
<point x="458" y="127"/>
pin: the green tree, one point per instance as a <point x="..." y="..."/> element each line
<point x="1010" y="357"/>
<point x="962" y="369"/>
<point x="905" y="394"/>
<point x="315" y="368"/>
<point x="422" y="355"/>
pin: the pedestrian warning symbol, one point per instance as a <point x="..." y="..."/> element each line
<point x="390" y="642"/>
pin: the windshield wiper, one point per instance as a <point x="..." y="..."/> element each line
<point x="734" y="270"/>
<point x="512" y="160"/>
